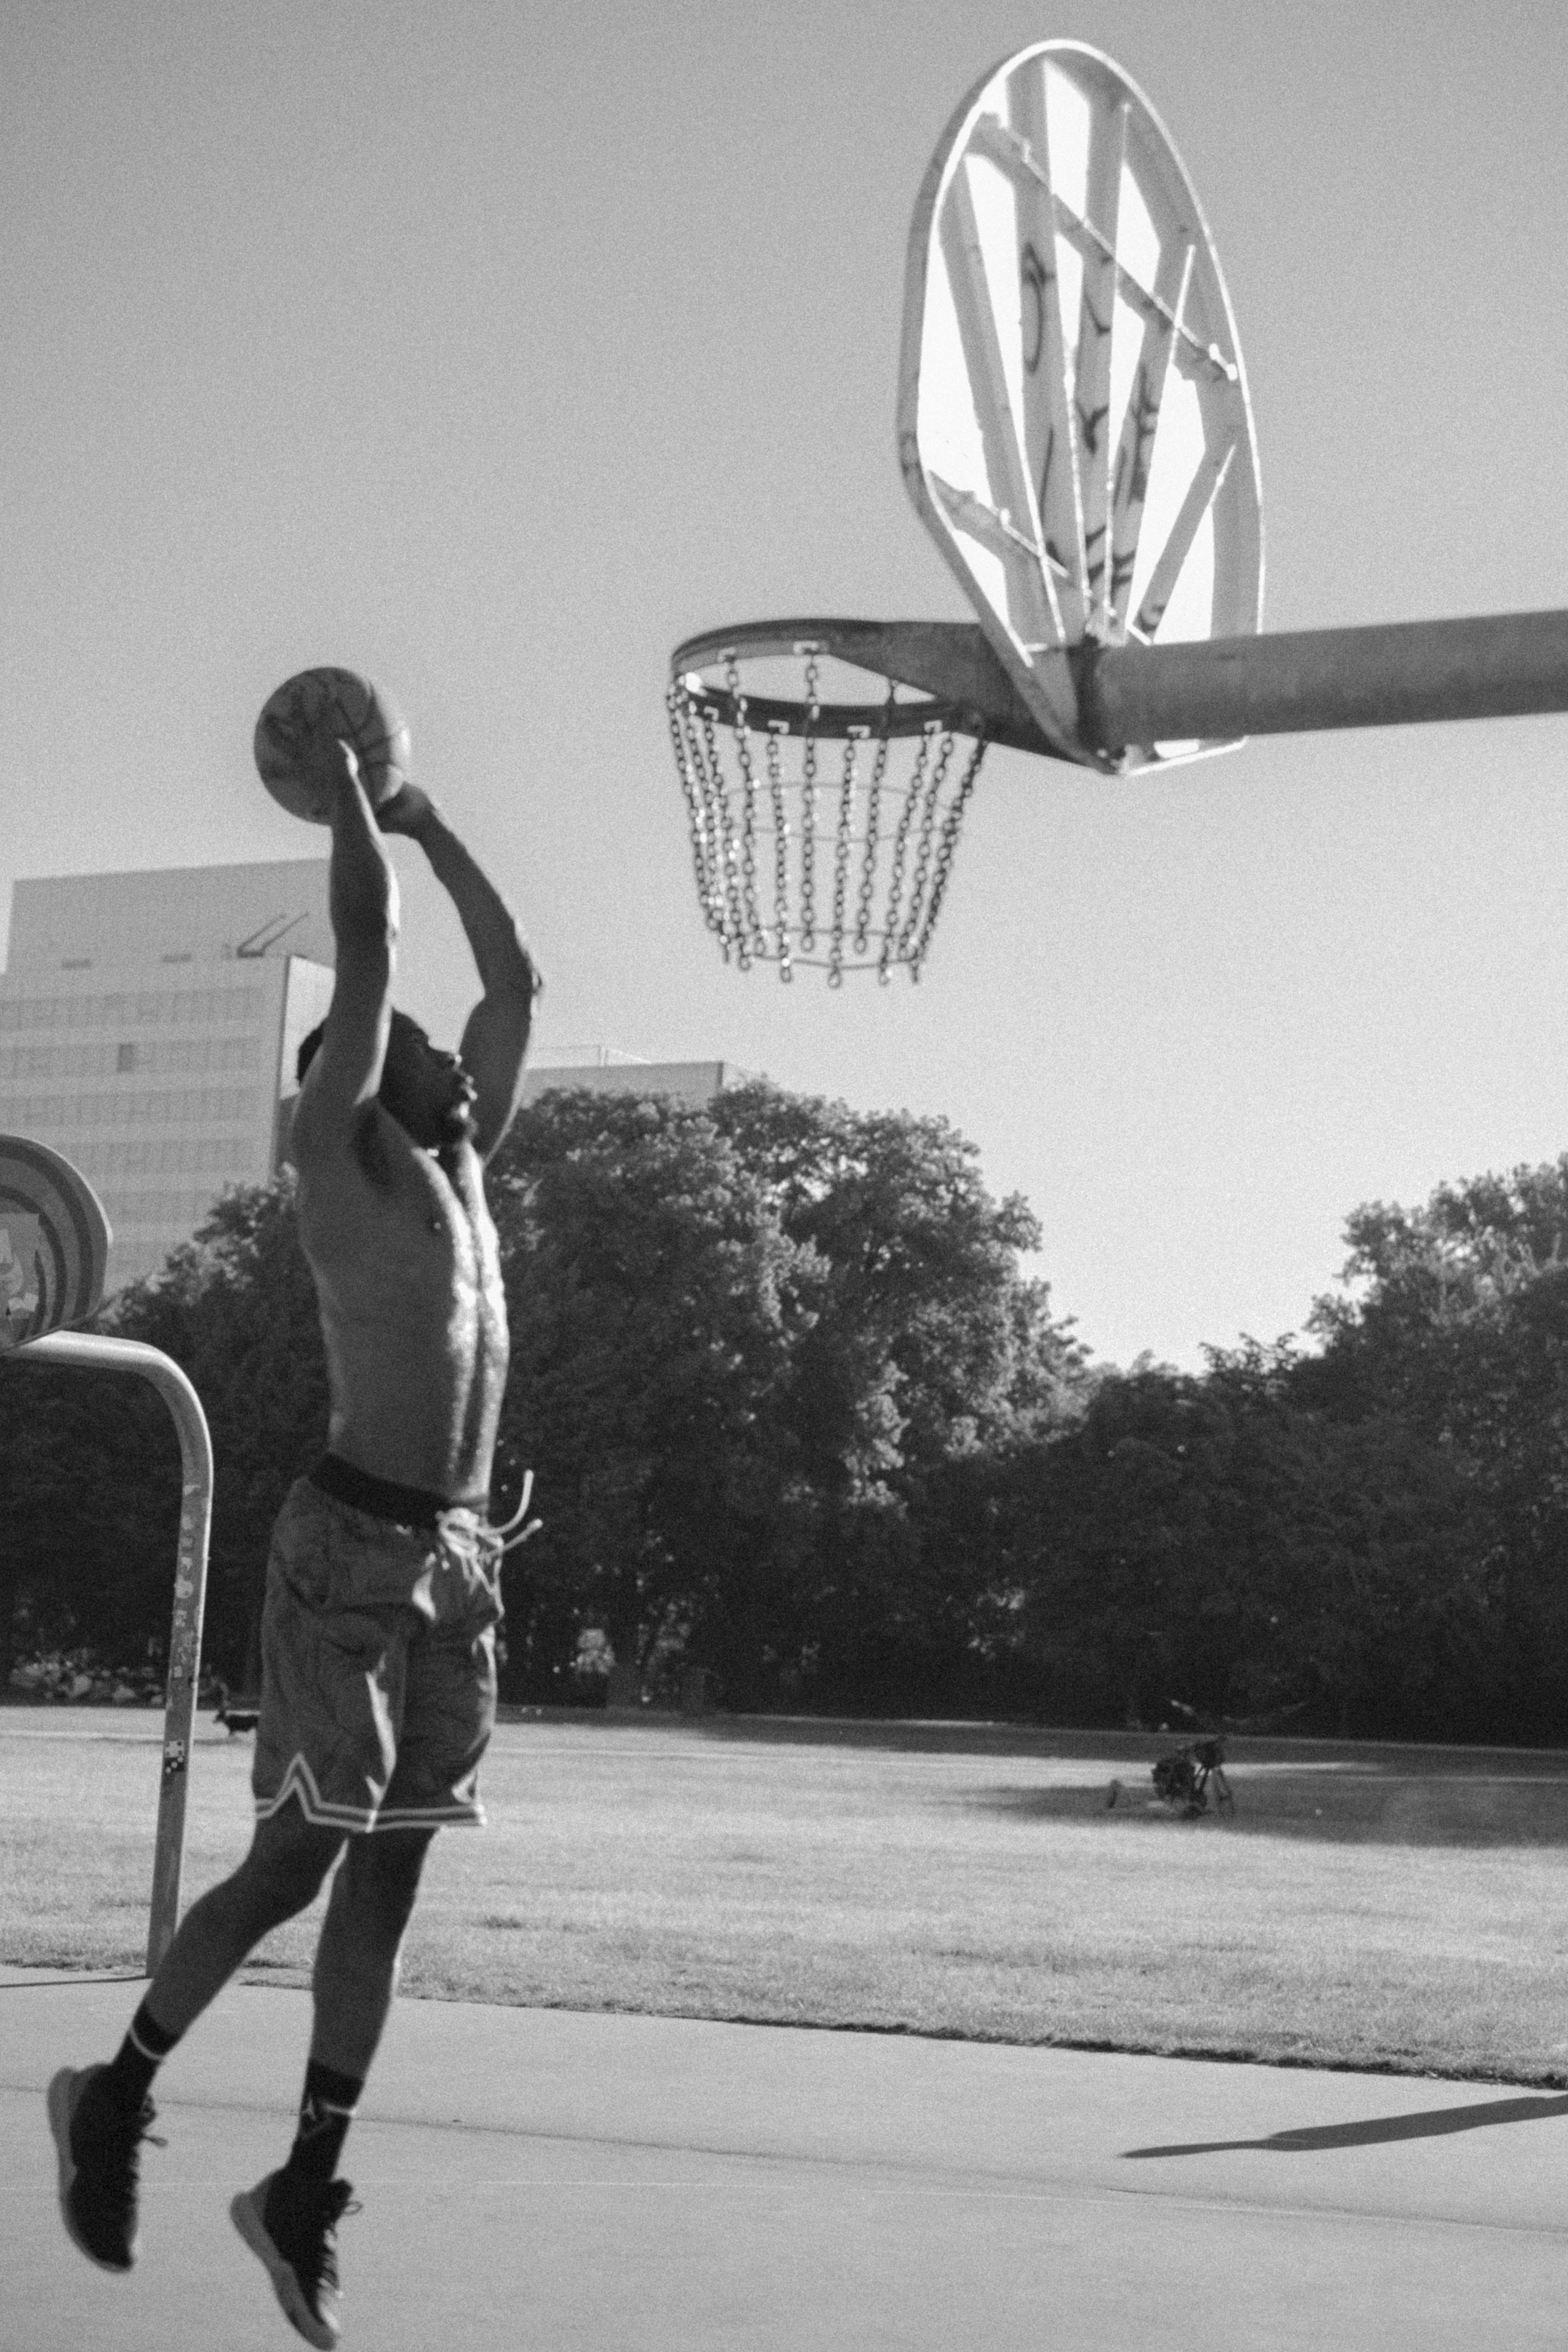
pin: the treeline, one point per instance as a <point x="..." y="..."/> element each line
<point x="796" y="1415"/>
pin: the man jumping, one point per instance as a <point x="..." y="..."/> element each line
<point x="382" y="1584"/>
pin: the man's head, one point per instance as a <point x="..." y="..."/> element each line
<point x="427" y="1091"/>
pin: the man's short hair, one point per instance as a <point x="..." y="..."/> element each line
<point x="311" y="1046"/>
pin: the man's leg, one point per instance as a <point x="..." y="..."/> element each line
<point x="358" y="1957"/>
<point x="279" y="1878"/>
<point x="289" y="2219"/>
<point x="353" y="1985"/>
<point x="100" y="2115"/>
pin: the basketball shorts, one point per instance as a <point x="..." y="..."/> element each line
<point x="378" y="1691"/>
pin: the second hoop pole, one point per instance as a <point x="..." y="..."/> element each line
<point x="89" y="1352"/>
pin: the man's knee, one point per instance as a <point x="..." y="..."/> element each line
<point x="287" y="1861"/>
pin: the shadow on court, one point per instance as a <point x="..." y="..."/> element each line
<point x="1373" y="2131"/>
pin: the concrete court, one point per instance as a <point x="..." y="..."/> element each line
<point x="629" y="2184"/>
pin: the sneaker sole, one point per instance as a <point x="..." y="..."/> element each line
<point x="246" y="2212"/>
<point x="60" y="2104"/>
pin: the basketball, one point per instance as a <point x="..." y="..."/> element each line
<point x="302" y="723"/>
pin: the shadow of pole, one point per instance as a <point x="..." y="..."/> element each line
<point x="1427" y="2123"/>
<point x="48" y="1981"/>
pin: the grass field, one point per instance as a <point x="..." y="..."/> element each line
<point x="1367" y="1906"/>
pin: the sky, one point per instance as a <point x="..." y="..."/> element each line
<point x="493" y="349"/>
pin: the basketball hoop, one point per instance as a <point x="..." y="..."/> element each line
<point x="1075" y="433"/>
<point x="823" y="829"/>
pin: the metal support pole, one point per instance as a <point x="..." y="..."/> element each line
<point x="1498" y="666"/>
<point x="91" y="1353"/>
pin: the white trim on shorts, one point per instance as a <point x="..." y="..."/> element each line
<point x="298" y="1781"/>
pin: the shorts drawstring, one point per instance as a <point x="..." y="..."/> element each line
<point x="509" y="1540"/>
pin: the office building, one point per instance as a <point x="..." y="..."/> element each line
<point x="148" y="1028"/>
<point x="149" y="1023"/>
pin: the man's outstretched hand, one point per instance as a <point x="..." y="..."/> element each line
<point x="406" y="810"/>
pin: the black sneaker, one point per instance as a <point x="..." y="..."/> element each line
<point x="100" y="2147"/>
<point x="289" y="2222"/>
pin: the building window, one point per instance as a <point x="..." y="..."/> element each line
<point x="125" y="1057"/>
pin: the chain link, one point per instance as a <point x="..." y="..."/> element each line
<point x="725" y="859"/>
<point x="686" y="754"/>
<point x="945" y="848"/>
<point x="756" y="943"/>
<point x="716" y="811"/>
<point x="808" y="812"/>
<point x="912" y="791"/>
<point x="868" y="861"/>
<point x="923" y="852"/>
<point x="841" y="848"/>
<point x="773" y="749"/>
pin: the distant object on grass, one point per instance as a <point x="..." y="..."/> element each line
<point x="1182" y="1782"/>
<point x="1182" y="1779"/>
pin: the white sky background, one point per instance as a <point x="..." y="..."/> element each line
<point x="491" y="348"/>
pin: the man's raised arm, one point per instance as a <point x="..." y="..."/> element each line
<point x="495" y="1038"/>
<point x="363" y="901"/>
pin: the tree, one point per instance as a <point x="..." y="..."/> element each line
<point x="749" y="1340"/>
<point x="1213" y="1539"/>
<point x="1455" y="1317"/>
<point x="655" y="1306"/>
<point x="923" y="1278"/>
<point x="235" y="1308"/>
<point x="929" y="1357"/>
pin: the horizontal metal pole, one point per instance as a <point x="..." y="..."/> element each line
<point x="1501" y="665"/>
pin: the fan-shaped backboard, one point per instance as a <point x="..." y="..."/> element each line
<point x="1073" y="420"/>
<point x="54" y="1241"/>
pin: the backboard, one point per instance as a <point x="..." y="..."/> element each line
<point x="54" y="1243"/>
<point x="1074" y="426"/>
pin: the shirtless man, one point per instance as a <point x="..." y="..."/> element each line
<point x="378" y="1631"/>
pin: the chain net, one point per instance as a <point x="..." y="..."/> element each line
<point x="819" y="839"/>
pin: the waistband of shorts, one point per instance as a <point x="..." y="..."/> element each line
<point x="383" y="1498"/>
